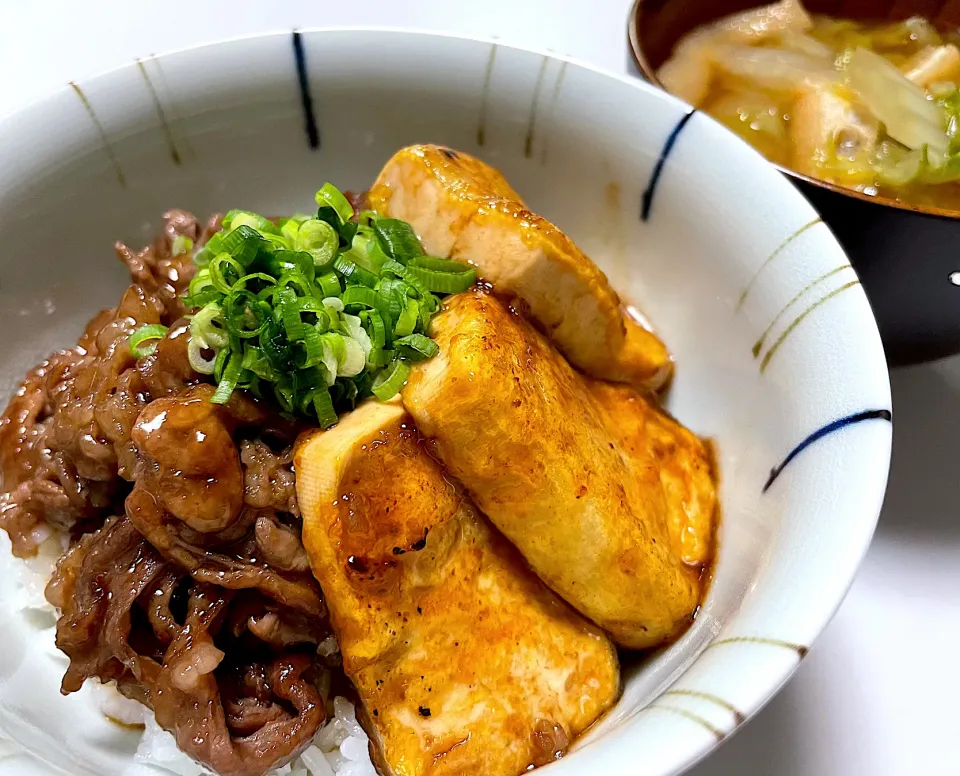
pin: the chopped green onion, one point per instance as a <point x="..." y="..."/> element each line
<point x="417" y="347"/>
<point x="243" y="244"/>
<point x="378" y="357"/>
<point x="316" y="313"/>
<point x="202" y="257"/>
<point x="330" y="196"/>
<point x="229" y="379"/>
<point x="181" y="245"/>
<point x="283" y="390"/>
<point x="208" y="325"/>
<point x="301" y="262"/>
<point x="400" y="271"/>
<point x="354" y="327"/>
<point x="366" y="251"/>
<point x="353" y="272"/>
<point x="252" y="278"/>
<point x="234" y="219"/>
<point x="328" y="215"/>
<point x="441" y="276"/>
<point x="225" y="271"/>
<point x="354" y="359"/>
<point x="312" y="348"/>
<point x="220" y="363"/>
<point x="440" y="265"/>
<point x="334" y="303"/>
<point x="388" y="383"/>
<point x="323" y="406"/>
<point x="320" y="240"/>
<point x="290" y="314"/>
<point x="373" y="324"/>
<point x="408" y="319"/>
<point x="348" y="230"/>
<point x="195" y="349"/>
<point x="147" y="333"/>
<point x="329" y="284"/>
<point x="254" y="360"/>
<point x="297" y="281"/>
<point x="360" y="295"/>
<point x="289" y="229"/>
<point x="398" y="239"/>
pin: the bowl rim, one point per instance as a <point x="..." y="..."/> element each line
<point x="774" y="672"/>
<point x="650" y="74"/>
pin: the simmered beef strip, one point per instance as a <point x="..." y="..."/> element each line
<point x="192" y="651"/>
<point x="186" y="582"/>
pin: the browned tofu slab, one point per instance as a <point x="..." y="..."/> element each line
<point x="575" y="482"/>
<point x="464" y="661"/>
<point x="464" y="209"/>
<point x="682" y="459"/>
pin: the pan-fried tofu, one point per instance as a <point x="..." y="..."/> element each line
<point x="587" y="503"/>
<point x="464" y="209"/>
<point x="464" y="662"/>
<point x="682" y="459"/>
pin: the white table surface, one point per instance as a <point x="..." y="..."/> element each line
<point x="877" y="695"/>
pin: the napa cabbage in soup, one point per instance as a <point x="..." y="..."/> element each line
<point x="870" y="106"/>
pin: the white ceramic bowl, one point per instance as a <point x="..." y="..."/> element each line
<point x="779" y="358"/>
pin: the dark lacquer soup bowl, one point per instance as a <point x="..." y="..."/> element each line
<point x="906" y="256"/>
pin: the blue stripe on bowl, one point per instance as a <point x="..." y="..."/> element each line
<point x="647" y="202"/>
<point x="303" y="81"/>
<point x="820" y="433"/>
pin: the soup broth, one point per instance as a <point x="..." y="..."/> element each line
<point x="870" y="106"/>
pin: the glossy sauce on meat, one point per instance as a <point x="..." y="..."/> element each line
<point x="190" y="462"/>
<point x="186" y="582"/>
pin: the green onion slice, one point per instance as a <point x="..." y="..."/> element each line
<point x="329" y="284"/>
<point x="320" y="240"/>
<point x="234" y="219"/>
<point x="208" y="325"/>
<point x="388" y="383"/>
<point x="229" y="379"/>
<point x="330" y="196"/>
<point x="359" y="295"/>
<point x="323" y="406"/>
<point x="147" y="333"/>
<point x="409" y="317"/>
<point x="201" y="363"/>
<point x="398" y="239"/>
<point x="417" y="347"/>
<point x="181" y="245"/>
<point x="354" y="273"/>
<point x="440" y="275"/>
<point x="373" y="324"/>
<point x="315" y="312"/>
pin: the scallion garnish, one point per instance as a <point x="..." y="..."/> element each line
<point x="390" y="380"/>
<point x="315" y="313"/>
<point x="146" y="334"/>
